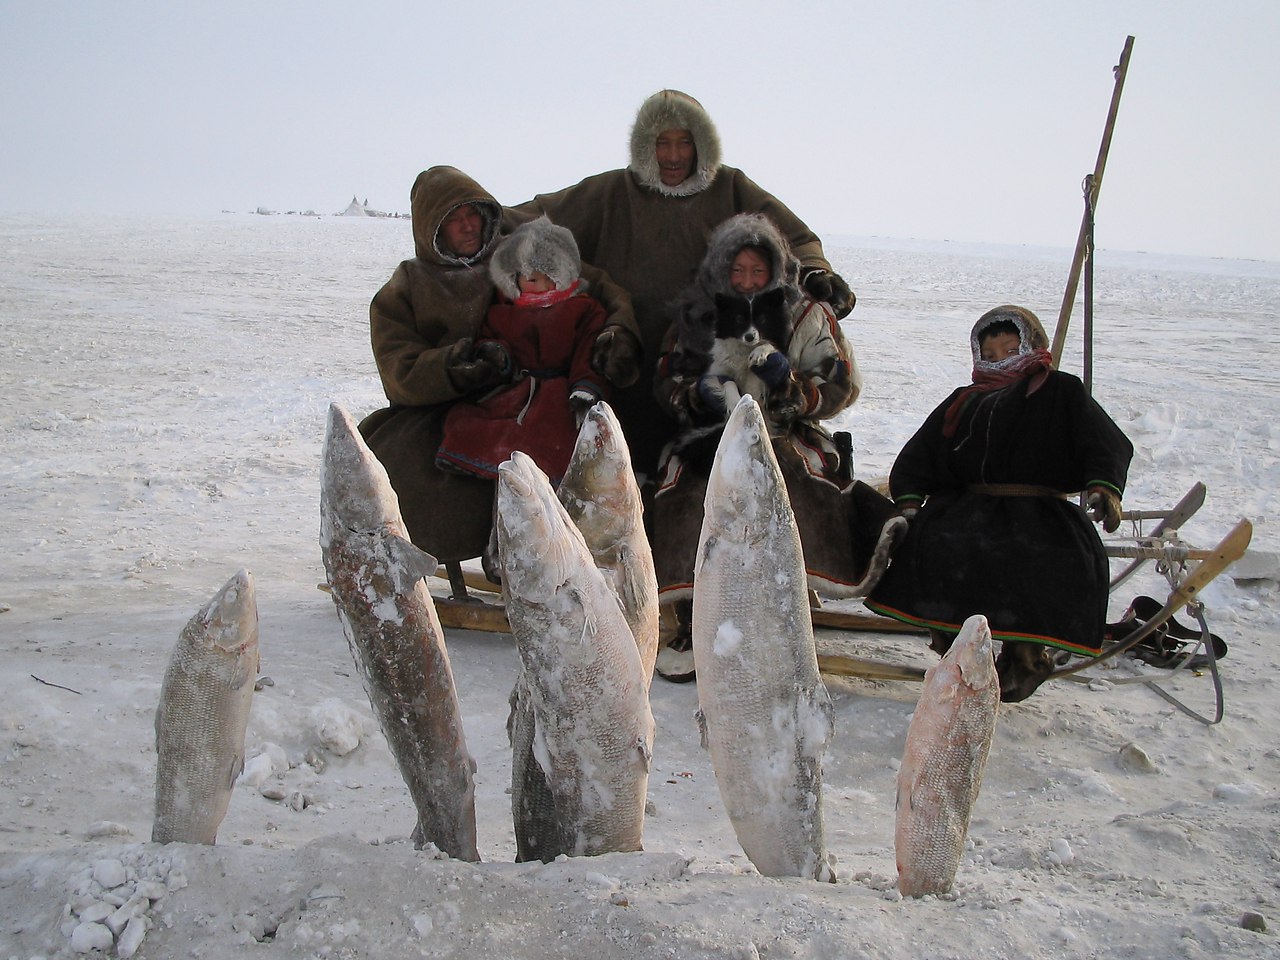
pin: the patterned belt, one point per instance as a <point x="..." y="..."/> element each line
<point x="1017" y="490"/>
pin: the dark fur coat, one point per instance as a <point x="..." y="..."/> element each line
<point x="1033" y="565"/>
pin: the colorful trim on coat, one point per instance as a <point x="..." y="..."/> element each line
<point x="926" y="624"/>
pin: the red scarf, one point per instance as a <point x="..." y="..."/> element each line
<point x="548" y="298"/>
<point x="989" y="377"/>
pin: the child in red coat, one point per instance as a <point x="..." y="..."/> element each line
<point x="541" y="331"/>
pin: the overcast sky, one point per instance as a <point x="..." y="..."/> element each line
<point x="936" y="120"/>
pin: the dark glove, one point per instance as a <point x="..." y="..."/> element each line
<point x="775" y="371"/>
<point x="616" y="357"/>
<point x="786" y="402"/>
<point x="830" y="287"/>
<point x="1103" y="506"/>
<point x="580" y="401"/>
<point x="709" y="397"/>
<point x="495" y="352"/>
<point x="467" y="371"/>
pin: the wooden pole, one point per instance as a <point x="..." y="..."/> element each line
<point x="1073" y="280"/>
<point x="1086" y="373"/>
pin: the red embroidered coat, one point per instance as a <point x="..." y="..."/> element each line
<point x="550" y="348"/>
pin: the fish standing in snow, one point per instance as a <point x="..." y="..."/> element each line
<point x="390" y="622"/>
<point x="765" y="714"/>
<point x="946" y="751"/>
<point x="600" y="492"/>
<point x="204" y="710"/>
<point x="581" y="706"/>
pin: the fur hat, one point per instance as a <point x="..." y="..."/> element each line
<point x="1031" y="334"/>
<point x="673" y="110"/>
<point x="746" y="230"/>
<point x="537" y="245"/>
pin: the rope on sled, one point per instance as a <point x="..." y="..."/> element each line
<point x="1197" y="610"/>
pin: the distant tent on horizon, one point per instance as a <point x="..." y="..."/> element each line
<point x="354" y="209"/>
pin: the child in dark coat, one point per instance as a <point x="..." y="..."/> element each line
<point x="985" y="484"/>
<point x="540" y="332"/>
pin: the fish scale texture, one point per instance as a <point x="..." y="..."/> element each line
<point x="205" y="700"/>
<point x="581" y="688"/>
<point x="946" y="751"/>
<point x="395" y="637"/>
<point x="600" y="493"/>
<point x="767" y="718"/>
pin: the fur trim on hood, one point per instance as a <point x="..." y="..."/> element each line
<point x="537" y="245"/>
<point x="438" y="191"/>
<point x="673" y="110"/>
<point x="747" y="230"/>
<point x="1030" y="332"/>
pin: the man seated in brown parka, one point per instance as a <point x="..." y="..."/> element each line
<point x="422" y="324"/>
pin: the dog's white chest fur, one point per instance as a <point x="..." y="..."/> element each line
<point x="735" y="358"/>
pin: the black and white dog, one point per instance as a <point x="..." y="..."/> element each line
<point x="748" y="354"/>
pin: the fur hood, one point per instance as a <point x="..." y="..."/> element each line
<point x="673" y="110"/>
<point x="537" y="245"/>
<point x="1030" y="332"/>
<point x="436" y="192"/>
<point x="746" y="230"/>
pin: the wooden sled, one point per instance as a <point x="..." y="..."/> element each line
<point x="473" y="603"/>
<point x="462" y="609"/>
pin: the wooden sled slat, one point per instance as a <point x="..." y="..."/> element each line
<point x="856" y="622"/>
<point x="476" y="614"/>
<point x="840" y="665"/>
<point x="471" y="615"/>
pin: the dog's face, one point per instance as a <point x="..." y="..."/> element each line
<point x="764" y="317"/>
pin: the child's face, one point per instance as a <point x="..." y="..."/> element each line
<point x="749" y="273"/>
<point x="1000" y="346"/>
<point x="536" y="282"/>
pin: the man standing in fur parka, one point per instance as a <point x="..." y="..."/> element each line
<point x="423" y="324"/>
<point x="985" y="483"/>
<point x="647" y="226"/>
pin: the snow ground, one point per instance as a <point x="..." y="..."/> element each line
<point x="166" y="384"/>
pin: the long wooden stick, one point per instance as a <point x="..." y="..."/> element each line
<point x="1073" y="280"/>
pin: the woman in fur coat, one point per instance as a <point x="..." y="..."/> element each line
<point x="545" y="325"/>
<point x="985" y="483"/>
<point x="647" y="226"/>
<point x="748" y="279"/>
<point x="423" y="324"/>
